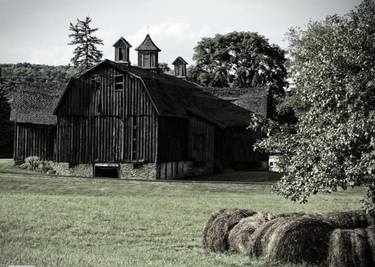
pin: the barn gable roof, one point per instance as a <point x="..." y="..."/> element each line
<point x="172" y="96"/>
<point x="34" y="103"/>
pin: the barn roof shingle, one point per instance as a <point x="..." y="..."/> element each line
<point x="122" y="41"/>
<point x="34" y="103"/>
<point x="147" y="45"/>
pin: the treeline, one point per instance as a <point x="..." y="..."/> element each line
<point x="14" y="75"/>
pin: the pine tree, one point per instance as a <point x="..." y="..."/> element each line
<point x="86" y="53"/>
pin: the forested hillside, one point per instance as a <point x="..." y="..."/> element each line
<point x="13" y="75"/>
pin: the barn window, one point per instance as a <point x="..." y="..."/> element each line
<point x="153" y="60"/>
<point x="95" y="82"/>
<point x="146" y="61"/>
<point x="120" y="54"/>
<point x="119" y="82"/>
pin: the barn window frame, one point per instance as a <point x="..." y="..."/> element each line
<point x="95" y="82"/>
<point x="119" y="82"/>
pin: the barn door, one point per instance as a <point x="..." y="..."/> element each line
<point x="130" y="138"/>
<point x="134" y="141"/>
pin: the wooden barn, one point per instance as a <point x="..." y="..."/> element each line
<point x="134" y="122"/>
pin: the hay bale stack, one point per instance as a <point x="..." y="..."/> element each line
<point x="240" y="236"/>
<point x="293" y="239"/>
<point x="350" y="219"/>
<point x="216" y="230"/>
<point x="350" y="248"/>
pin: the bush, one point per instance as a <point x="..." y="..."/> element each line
<point x="34" y="163"/>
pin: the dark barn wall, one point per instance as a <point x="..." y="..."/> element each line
<point x="237" y="147"/>
<point x="34" y="140"/>
<point x="173" y="139"/>
<point x="100" y="121"/>
<point x="201" y="141"/>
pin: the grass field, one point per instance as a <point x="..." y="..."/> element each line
<point x="56" y="221"/>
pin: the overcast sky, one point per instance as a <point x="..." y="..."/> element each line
<point x="36" y="31"/>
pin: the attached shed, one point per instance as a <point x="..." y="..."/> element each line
<point x="34" y="122"/>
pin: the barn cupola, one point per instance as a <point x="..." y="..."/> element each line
<point x="180" y="67"/>
<point x="148" y="54"/>
<point x="122" y="48"/>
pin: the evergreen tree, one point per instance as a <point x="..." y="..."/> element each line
<point x="86" y="53"/>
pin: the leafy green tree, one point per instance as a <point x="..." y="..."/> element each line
<point x="332" y="145"/>
<point x="238" y="59"/>
<point x="164" y="68"/>
<point x="86" y="53"/>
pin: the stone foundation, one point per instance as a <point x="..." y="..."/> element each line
<point x="82" y="170"/>
<point x="146" y="171"/>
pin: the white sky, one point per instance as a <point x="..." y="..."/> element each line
<point x="36" y="31"/>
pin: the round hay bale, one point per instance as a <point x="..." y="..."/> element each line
<point x="240" y="236"/>
<point x="350" y="219"/>
<point x="300" y="239"/>
<point x="293" y="239"/>
<point x="350" y="248"/>
<point x="216" y="230"/>
<point x="259" y="239"/>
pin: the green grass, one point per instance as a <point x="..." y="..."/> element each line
<point x="57" y="221"/>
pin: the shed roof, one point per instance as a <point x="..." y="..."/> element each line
<point x="34" y="103"/>
<point x="255" y="99"/>
<point x="147" y="45"/>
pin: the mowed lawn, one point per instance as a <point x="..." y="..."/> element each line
<point x="56" y="221"/>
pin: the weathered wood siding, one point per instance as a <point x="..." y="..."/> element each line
<point x="34" y="140"/>
<point x="201" y="140"/>
<point x="237" y="145"/>
<point x="107" y="117"/>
